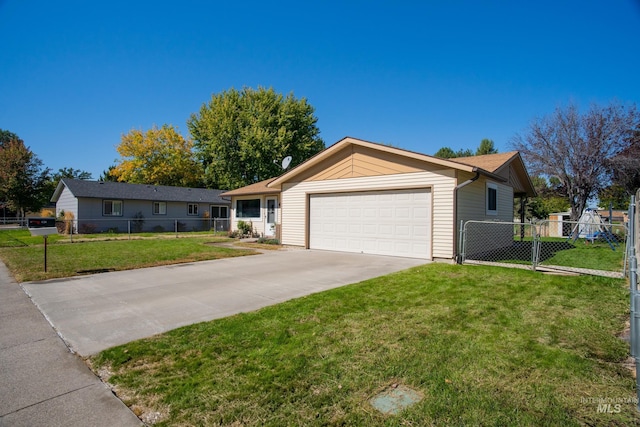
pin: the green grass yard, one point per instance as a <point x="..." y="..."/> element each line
<point x="560" y="252"/>
<point x="24" y="254"/>
<point x="482" y="345"/>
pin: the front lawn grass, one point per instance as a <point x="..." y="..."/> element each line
<point x="26" y="259"/>
<point x="482" y="345"/>
<point x="560" y="252"/>
<point x="583" y="254"/>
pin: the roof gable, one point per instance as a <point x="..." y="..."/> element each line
<point x="418" y="161"/>
<point x="509" y="166"/>
<point x="125" y="191"/>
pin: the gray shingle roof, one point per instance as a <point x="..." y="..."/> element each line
<point x="125" y="191"/>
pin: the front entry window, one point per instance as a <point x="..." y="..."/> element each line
<point x="248" y="208"/>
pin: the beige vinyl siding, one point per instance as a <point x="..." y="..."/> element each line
<point x="472" y="206"/>
<point x="472" y="201"/>
<point x="295" y="200"/>
<point x="443" y="230"/>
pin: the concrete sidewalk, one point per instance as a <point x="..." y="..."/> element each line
<point x="41" y="382"/>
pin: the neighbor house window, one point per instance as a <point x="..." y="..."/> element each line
<point x="248" y="208"/>
<point x="159" y="208"/>
<point x="219" y="212"/>
<point x="112" y="207"/>
<point x="192" y="209"/>
<point x="492" y="199"/>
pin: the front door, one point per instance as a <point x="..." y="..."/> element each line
<point x="270" y="229"/>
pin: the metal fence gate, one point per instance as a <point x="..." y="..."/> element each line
<point x="571" y="246"/>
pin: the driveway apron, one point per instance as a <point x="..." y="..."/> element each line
<point x="93" y="313"/>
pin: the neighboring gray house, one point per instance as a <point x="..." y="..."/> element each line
<point x="101" y="206"/>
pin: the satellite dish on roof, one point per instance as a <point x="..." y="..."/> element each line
<point x="286" y="162"/>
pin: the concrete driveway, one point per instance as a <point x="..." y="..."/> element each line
<point x="93" y="313"/>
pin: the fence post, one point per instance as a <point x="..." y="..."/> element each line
<point x="460" y="257"/>
<point x="535" y="245"/>
<point x="634" y="322"/>
<point x="176" y="227"/>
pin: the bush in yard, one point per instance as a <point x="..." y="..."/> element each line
<point x="268" y="241"/>
<point x="65" y="222"/>
<point x="137" y="222"/>
<point x="245" y="228"/>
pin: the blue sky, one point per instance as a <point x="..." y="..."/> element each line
<point x="420" y="75"/>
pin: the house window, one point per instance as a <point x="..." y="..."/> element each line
<point x="159" y="208"/>
<point x="219" y="212"/>
<point x="112" y="207"/>
<point x="192" y="209"/>
<point x="248" y="208"/>
<point x="492" y="199"/>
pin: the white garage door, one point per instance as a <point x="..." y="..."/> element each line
<point x="394" y="222"/>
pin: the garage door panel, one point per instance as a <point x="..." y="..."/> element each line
<point x="383" y="222"/>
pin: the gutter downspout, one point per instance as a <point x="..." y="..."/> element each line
<point x="455" y="217"/>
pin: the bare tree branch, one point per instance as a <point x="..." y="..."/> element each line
<point x="578" y="148"/>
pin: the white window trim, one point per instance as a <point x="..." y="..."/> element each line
<point x="160" y="210"/>
<point x="194" y="212"/>
<point x="112" y="210"/>
<point x="219" y="207"/>
<point x="247" y="218"/>
<point x="494" y="187"/>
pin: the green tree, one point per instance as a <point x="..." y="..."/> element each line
<point x="241" y="137"/>
<point x="65" y="173"/>
<point x="577" y="147"/>
<point x="448" y="153"/>
<point x="486" y="147"/>
<point x="550" y="198"/>
<point x="614" y="195"/>
<point x="159" y="156"/>
<point x="23" y="180"/>
<point x="108" y="175"/>
<point x="7" y="136"/>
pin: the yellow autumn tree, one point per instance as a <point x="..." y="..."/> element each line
<point x="159" y="156"/>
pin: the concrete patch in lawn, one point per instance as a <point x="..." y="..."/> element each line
<point x="395" y="398"/>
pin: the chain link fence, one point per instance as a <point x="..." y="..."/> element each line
<point x="13" y="222"/>
<point x="574" y="246"/>
<point x="142" y="226"/>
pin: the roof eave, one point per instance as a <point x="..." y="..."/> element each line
<point x="57" y="192"/>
